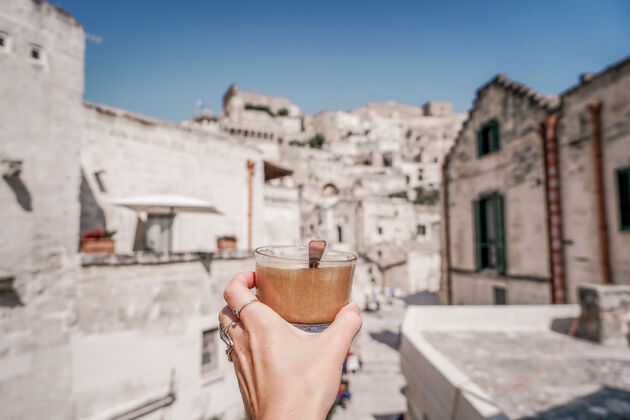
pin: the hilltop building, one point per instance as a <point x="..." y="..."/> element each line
<point x="536" y="196"/>
<point x="384" y="156"/>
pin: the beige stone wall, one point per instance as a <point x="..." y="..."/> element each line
<point x="138" y="337"/>
<point x="582" y="250"/>
<point x="40" y="109"/>
<point x="477" y="289"/>
<point x="140" y="156"/>
<point x="516" y="171"/>
<point x="282" y="216"/>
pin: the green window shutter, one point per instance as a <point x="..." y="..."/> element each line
<point x="499" y="224"/>
<point x="480" y="142"/>
<point x="477" y="233"/>
<point x="495" y="143"/>
<point x="623" y="186"/>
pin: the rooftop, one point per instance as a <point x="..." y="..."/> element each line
<point x="542" y="374"/>
<point x="516" y="362"/>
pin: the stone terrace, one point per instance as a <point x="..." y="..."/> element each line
<point x="542" y="375"/>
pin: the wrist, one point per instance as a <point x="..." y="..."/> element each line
<point x="302" y="408"/>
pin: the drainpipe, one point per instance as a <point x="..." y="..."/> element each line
<point x="447" y="242"/>
<point x="250" y="176"/>
<point x="554" y="209"/>
<point x="595" y="109"/>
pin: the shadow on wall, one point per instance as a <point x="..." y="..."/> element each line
<point x="422" y="298"/>
<point x="22" y="195"/>
<point x="562" y="325"/>
<point x="10" y="299"/>
<point x="138" y="240"/>
<point x="92" y="215"/>
<point x="607" y="403"/>
<point x="393" y="416"/>
<point x="387" y="337"/>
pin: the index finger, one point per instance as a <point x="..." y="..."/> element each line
<point x="238" y="292"/>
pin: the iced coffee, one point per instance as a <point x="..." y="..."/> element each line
<point x="305" y="294"/>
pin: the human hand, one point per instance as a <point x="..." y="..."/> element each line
<point x="284" y="372"/>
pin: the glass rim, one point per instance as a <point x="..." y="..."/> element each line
<point x="261" y="251"/>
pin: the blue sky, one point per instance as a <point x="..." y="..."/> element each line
<point x="158" y="57"/>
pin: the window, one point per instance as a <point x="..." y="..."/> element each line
<point x="158" y="232"/>
<point x="340" y="233"/>
<point x="499" y="295"/>
<point x="421" y="230"/>
<point x="5" y="42"/>
<point x="488" y="138"/>
<point x="489" y="232"/>
<point x="209" y="350"/>
<point x="380" y="230"/>
<point x="387" y="159"/>
<point x="623" y="186"/>
<point x="36" y="52"/>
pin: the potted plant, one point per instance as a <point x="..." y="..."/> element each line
<point x="226" y="242"/>
<point x="98" y="241"/>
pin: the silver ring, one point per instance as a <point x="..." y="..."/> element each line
<point x="225" y="337"/>
<point x="237" y="311"/>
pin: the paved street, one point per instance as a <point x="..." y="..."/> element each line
<point x="376" y="389"/>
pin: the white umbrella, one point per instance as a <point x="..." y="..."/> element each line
<point x="166" y="204"/>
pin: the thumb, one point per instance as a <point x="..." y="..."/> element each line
<point x="344" y="328"/>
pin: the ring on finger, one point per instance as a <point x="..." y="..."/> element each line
<point x="237" y="311"/>
<point x="225" y="337"/>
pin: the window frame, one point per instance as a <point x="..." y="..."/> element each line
<point x="6" y="42"/>
<point x="35" y="49"/>
<point x="497" y="292"/>
<point x="421" y="229"/>
<point x="619" y="173"/>
<point x="216" y="366"/>
<point x="494" y="142"/>
<point x="500" y="249"/>
<point x="167" y="221"/>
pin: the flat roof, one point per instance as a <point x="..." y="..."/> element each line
<point x="522" y="360"/>
<point x="541" y="375"/>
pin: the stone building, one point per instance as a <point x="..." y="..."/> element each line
<point x="535" y="193"/>
<point x="41" y="57"/>
<point x="496" y="194"/>
<point x="593" y="147"/>
<point x="156" y="157"/>
<point x="252" y="115"/>
<point x="132" y="333"/>
<point x="396" y="238"/>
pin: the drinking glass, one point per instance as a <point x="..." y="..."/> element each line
<point x="306" y="294"/>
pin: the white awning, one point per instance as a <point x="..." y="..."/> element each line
<point x="166" y="204"/>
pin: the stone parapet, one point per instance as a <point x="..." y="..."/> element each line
<point x="151" y="258"/>
<point x="605" y="313"/>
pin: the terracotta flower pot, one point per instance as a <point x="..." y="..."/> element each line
<point x="97" y="246"/>
<point x="223" y="243"/>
